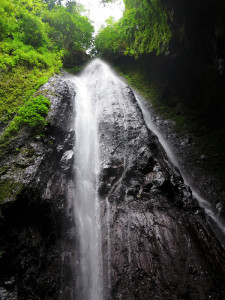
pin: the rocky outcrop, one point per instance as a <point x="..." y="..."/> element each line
<point x="156" y="241"/>
<point x="194" y="167"/>
<point x="34" y="183"/>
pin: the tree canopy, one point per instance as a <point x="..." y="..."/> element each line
<point x="32" y="29"/>
<point x="142" y="29"/>
<point x="36" y="36"/>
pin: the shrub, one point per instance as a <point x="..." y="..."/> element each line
<point x="31" y="114"/>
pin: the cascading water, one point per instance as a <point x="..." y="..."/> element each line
<point x="87" y="216"/>
<point x="97" y="90"/>
<point x="129" y="200"/>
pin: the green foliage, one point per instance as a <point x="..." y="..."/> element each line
<point x="51" y="3"/>
<point x="32" y="31"/>
<point x="17" y="85"/>
<point x="142" y="29"/>
<point x="32" y="114"/>
<point x="34" y="37"/>
<point x="14" y="53"/>
<point x="107" y="41"/>
<point x="7" y="20"/>
<point x="42" y="80"/>
<point x="69" y="31"/>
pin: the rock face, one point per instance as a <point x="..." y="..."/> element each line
<point x="34" y="183"/>
<point x="193" y="167"/>
<point x="188" y="81"/>
<point x="156" y="242"/>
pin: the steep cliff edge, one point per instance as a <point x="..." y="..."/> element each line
<point x="35" y="172"/>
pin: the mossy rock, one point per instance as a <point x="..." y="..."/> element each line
<point x="9" y="189"/>
<point x="3" y="170"/>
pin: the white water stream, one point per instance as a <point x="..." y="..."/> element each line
<point x="98" y="90"/>
<point x="87" y="211"/>
<point x="94" y="94"/>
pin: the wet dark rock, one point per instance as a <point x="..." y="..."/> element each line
<point x="66" y="162"/>
<point x="10" y="283"/>
<point x="161" y="246"/>
<point x="109" y="176"/>
<point x="203" y="158"/>
<point x="156" y="241"/>
<point x="194" y="167"/>
<point x="34" y="211"/>
<point x="6" y="295"/>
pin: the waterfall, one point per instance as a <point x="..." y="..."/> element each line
<point x="128" y="198"/>
<point x="97" y="89"/>
<point x="86" y="202"/>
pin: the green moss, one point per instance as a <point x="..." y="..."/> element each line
<point x="18" y="85"/>
<point x="3" y="170"/>
<point x="8" y="189"/>
<point x="29" y="152"/>
<point x="32" y="114"/>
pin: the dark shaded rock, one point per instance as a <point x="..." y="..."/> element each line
<point x="109" y="176"/>
<point x="34" y="211"/>
<point x="194" y="168"/>
<point x="66" y="162"/>
<point x="157" y="243"/>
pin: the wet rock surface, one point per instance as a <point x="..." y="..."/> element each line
<point x="157" y="243"/>
<point x="34" y="213"/>
<point x="194" y="167"/>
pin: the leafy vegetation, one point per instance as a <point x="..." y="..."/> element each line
<point x="32" y="113"/>
<point x="142" y="29"/>
<point x="35" y="38"/>
<point x="18" y="85"/>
